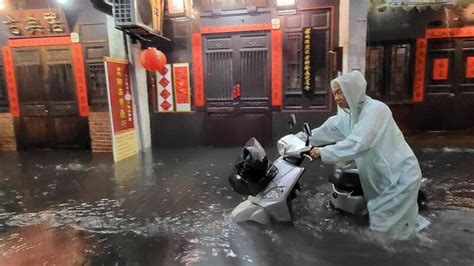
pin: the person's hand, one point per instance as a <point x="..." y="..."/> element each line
<point x="314" y="153"/>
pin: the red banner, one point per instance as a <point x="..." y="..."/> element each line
<point x="80" y="76"/>
<point x="181" y="79"/>
<point x="10" y="79"/>
<point x="277" y="66"/>
<point x="198" y="70"/>
<point x="182" y="87"/>
<point x="120" y="95"/>
<point x="440" y="68"/>
<point x="419" y="78"/>
<point x="470" y="67"/>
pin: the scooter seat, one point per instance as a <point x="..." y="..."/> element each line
<point x="347" y="181"/>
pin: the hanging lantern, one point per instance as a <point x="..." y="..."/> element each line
<point x="180" y="10"/>
<point x="285" y="7"/>
<point x="152" y="59"/>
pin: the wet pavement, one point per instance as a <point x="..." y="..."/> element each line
<point x="172" y="207"/>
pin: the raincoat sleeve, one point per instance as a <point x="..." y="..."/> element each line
<point x="329" y="132"/>
<point x="363" y="137"/>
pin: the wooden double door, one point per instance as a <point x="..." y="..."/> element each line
<point x="237" y="88"/>
<point x="49" y="114"/>
<point x="449" y="97"/>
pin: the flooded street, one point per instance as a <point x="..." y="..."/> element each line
<point x="172" y="207"/>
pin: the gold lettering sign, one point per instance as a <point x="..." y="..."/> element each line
<point x="307" y="59"/>
<point x="36" y="23"/>
<point x="12" y="25"/>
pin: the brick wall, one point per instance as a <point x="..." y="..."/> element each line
<point x="7" y="133"/>
<point x="100" y="130"/>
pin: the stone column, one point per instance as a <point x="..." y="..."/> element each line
<point x="140" y="97"/>
<point x="353" y="33"/>
<point x="118" y="47"/>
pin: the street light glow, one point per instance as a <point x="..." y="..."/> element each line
<point x="2" y="4"/>
<point x="62" y="1"/>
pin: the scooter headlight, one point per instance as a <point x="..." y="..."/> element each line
<point x="281" y="146"/>
<point x="275" y="193"/>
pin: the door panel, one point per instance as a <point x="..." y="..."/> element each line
<point x="34" y="131"/>
<point x="33" y="98"/>
<point x="294" y="97"/>
<point x="231" y="60"/>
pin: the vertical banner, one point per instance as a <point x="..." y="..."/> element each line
<point x="165" y="90"/>
<point x="182" y="87"/>
<point x="309" y="65"/>
<point x="419" y="77"/>
<point x="277" y="66"/>
<point x="10" y="79"/>
<point x="440" y="68"/>
<point x="470" y="67"/>
<point x="80" y="76"/>
<point x="198" y="71"/>
<point x="119" y="91"/>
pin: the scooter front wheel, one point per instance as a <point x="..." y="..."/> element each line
<point x="295" y="192"/>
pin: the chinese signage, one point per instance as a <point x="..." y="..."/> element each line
<point x="36" y="23"/>
<point x="121" y="109"/>
<point x="308" y="59"/>
<point x="440" y="68"/>
<point x="182" y="87"/>
<point x="470" y="67"/>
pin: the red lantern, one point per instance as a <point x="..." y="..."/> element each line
<point x="152" y="59"/>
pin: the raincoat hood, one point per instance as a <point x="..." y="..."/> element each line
<point x="353" y="87"/>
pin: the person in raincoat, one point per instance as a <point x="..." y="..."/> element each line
<point x="389" y="172"/>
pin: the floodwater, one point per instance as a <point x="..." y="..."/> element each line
<point x="172" y="207"/>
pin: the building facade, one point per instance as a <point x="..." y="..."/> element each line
<point x="420" y="61"/>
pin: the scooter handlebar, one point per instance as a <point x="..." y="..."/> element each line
<point x="301" y="153"/>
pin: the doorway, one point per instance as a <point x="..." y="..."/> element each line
<point x="49" y="113"/>
<point x="237" y="82"/>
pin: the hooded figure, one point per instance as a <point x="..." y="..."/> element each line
<point x="389" y="171"/>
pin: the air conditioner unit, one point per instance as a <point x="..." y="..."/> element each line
<point x="140" y="17"/>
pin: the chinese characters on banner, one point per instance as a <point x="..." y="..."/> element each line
<point x="470" y="67"/>
<point x="440" y="68"/>
<point x="121" y="109"/>
<point x="182" y="87"/>
<point x="36" y="23"/>
<point x="308" y="59"/>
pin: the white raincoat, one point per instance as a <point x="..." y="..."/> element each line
<point x="389" y="171"/>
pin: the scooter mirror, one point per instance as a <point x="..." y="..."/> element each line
<point x="307" y="131"/>
<point x="292" y="121"/>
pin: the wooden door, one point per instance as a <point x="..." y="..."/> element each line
<point x="295" y="98"/>
<point x="33" y="98"/>
<point x="449" y="98"/>
<point x="49" y="115"/>
<point x="231" y="61"/>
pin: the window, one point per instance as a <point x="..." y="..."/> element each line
<point x="3" y="89"/>
<point x="388" y="71"/>
<point x="295" y="52"/>
<point x="97" y="84"/>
